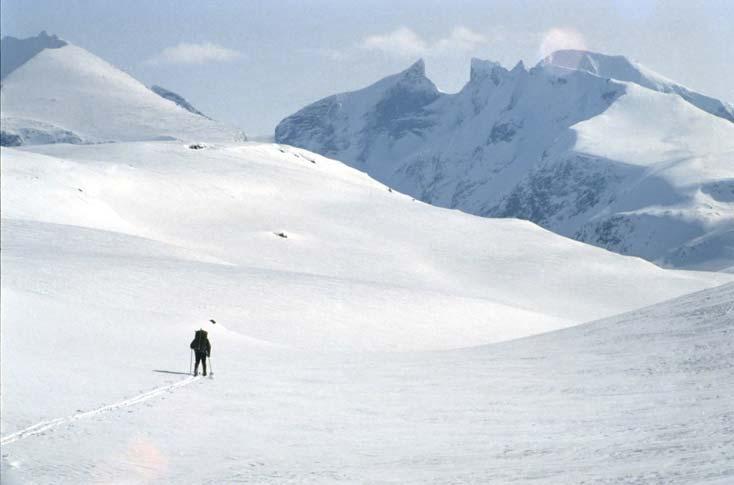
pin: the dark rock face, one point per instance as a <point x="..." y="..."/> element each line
<point x="395" y="108"/>
<point x="16" y="52"/>
<point x="178" y="99"/>
<point x="559" y="191"/>
<point x="318" y="123"/>
<point x="609" y="233"/>
<point x="400" y="112"/>
<point x="502" y="132"/>
<point x="9" y="139"/>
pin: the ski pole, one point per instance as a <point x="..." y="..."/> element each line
<point x="211" y="369"/>
<point x="191" y="362"/>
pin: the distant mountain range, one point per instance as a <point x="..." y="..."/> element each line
<point x="56" y="92"/>
<point x="591" y="146"/>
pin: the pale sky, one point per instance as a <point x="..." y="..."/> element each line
<point x="253" y="63"/>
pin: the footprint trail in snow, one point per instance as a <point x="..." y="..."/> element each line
<point x="43" y="426"/>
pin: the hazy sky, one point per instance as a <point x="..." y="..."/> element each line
<point x="252" y="63"/>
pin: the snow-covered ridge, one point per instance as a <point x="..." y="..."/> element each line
<point x="517" y="143"/>
<point x="622" y="69"/>
<point x="69" y="91"/>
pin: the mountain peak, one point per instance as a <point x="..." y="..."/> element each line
<point x="51" y="39"/>
<point x="413" y="79"/>
<point x="519" y="67"/>
<point x="93" y="101"/>
<point x="16" y="52"/>
<point x="592" y="62"/>
<point x="482" y="69"/>
<point x="417" y="69"/>
<point x="622" y="69"/>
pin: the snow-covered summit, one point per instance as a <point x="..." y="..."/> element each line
<point x="517" y="143"/>
<point x="622" y="69"/>
<point x="603" y="65"/>
<point x="69" y="91"/>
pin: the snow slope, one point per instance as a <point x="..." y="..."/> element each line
<point x="349" y="239"/>
<point x="69" y="91"/>
<point x="113" y="254"/>
<point x="114" y="241"/>
<point x="641" y="397"/>
<point x="516" y="144"/>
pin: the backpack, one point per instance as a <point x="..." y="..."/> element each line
<point x="200" y="341"/>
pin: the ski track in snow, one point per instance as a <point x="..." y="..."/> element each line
<point x="44" y="426"/>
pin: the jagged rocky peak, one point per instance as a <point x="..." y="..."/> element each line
<point x="416" y="70"/>
<point x="483" y="69"/>
<point x="15" y="52"/>
<point x="519" y="68"/>
<point x="410" y="87"/>
<point x="412" y="81"/>
<point x="415" y="77"/>
<point x="42" y="39"/>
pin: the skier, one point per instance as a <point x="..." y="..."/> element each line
<point x="202" y="349"/>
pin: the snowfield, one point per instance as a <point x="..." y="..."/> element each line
<point x="361" y="347"/>
<point x="364" y="249"/>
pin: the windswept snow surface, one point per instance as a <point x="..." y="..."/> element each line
<point x="73" y="91"/>
<point x="113" y="254"/>
<point x="589" y="146"/>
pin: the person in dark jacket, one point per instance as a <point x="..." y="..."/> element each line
<point x="202" y="349"/>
